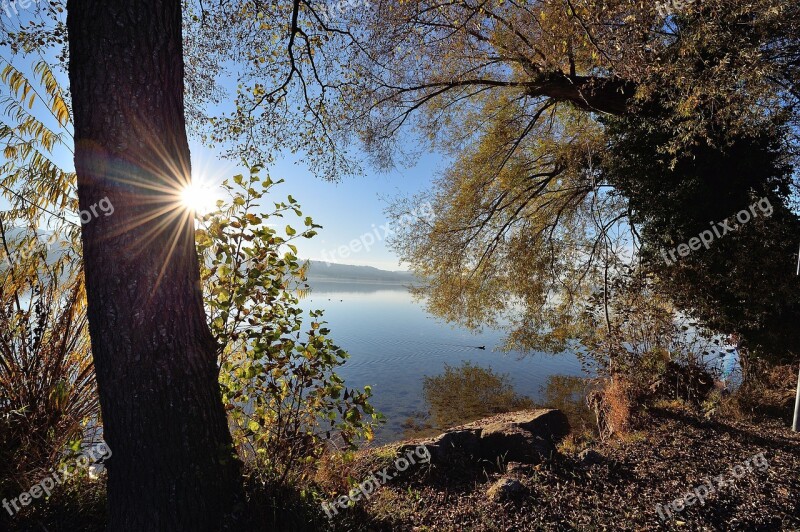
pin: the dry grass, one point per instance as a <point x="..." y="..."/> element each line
<point x="47" y="386"/>
<point x="619" y="398"/>
<point x="613" y="404"/>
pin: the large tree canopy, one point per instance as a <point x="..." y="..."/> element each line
<point x="742" y="280"/>
<point x="571" y="124"/>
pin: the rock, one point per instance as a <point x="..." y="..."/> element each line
<point x="550" y="424"/>
<point x="510" y="442"/>
<point x="544" y="422"/>
<point x="463" y="441"/>
<point x="505" y="489"/>
<point x="528" y="436"/>
<point x="411" y="448"/>
<point x="589" y="457"/>
<point x="455" y="445"/>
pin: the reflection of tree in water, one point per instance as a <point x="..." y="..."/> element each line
<point x="568" y="394"/>
<point x="463" y="394"/>
<point x="468" y="392"/>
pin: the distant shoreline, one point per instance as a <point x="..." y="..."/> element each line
<point x="339" y="280"/>
<point x="322" y="272"/>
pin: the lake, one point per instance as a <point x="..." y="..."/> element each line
<point x="394" y="343"/>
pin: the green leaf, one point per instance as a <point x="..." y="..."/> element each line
<point x="271" y="351"/>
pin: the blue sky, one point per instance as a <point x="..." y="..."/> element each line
<point x="346" y="209"/>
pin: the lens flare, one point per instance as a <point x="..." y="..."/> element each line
<point x="199" y="197"/>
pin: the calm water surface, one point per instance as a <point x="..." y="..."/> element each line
<point x="393" y="343"/>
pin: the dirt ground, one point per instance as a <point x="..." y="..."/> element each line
<point x="679" y="454"/>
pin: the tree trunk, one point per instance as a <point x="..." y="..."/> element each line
<point x="172" y="466"/>
<point x="606" y="95"/>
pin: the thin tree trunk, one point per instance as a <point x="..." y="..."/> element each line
<point x="172" y="466"/>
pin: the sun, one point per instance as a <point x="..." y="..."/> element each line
<point x="199" y="196"/>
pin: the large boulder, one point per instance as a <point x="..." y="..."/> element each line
<point x="455" y="445"/>
<point x="547" y="423"/>
<point x="527" y="436"/>
<point x="510" y="442"/>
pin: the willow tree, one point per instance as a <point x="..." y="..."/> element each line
<point x="528" y="99"/>
<point x="531" y="217"/>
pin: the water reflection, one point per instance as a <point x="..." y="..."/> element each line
<point x="568" y="394"/>
<point x="394" y="344"/>
<point x="468" y="392"/>
<point x="463" y="394"/>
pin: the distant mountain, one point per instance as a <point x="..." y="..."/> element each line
<point x="331" y="272"/>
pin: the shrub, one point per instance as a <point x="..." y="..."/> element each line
<point x="769" y="393"/>
<point x="614" y="406"/>
<point x="643" y="352"/>
<point x="78" y="504"/>
<point x="286" y="404"/>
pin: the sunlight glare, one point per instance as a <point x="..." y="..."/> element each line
<point x="199" y="197"/>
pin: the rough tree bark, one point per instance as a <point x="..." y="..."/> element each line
<point x="173" y="467"/>
<point x="606" y="95"/>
